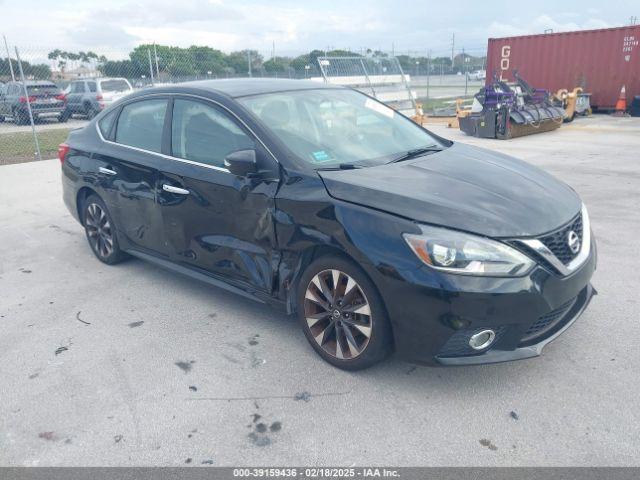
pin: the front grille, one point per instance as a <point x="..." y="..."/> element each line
<point x="558" y="243"/>
<point x="546" y="322"/>
<point x="458" y="343"/>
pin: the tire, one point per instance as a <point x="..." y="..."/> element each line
<point x="20" y="117"/>
<point x="101" y="231"/>
<point x="64" y="116"/>
<point x="338" y="332"/>
<point x="90" y="111"/>
<point x="1" y="118"/>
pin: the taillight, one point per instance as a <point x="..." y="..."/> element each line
<point x="98" y="97"/>
<point x="24" y="99"/>
<point x="63" y="149"/>
<point x="62" y="97"/>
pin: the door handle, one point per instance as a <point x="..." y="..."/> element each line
<point x="106" y="171"/>
<point x="172" y="189"/>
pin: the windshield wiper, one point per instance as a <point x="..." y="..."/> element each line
<point x="342" y="166"/>
<point x="416" y="152"/>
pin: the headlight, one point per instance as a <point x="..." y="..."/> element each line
<point x="463" y="253"/>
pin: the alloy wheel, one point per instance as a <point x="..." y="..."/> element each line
<point x="338" y="314"/>
<point x="99" y="230"/>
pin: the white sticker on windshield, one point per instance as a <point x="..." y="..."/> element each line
<point x="379" y="107"/>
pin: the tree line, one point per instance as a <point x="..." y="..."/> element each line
<point x="202" y="61"/>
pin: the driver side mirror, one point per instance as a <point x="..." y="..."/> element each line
<point x="242" y="163"/>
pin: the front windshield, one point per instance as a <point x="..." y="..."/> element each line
<point x="330" y="127"/>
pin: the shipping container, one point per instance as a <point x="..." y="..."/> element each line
<point x="600" y="61"/>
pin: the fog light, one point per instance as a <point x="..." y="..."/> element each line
<point x="482" y="340"/>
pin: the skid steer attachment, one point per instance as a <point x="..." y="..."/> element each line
<point x="508" y="110"/>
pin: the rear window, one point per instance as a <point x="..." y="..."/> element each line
<point x="42" y="89"/>
<point x="140" y="124"/>
<point x="114" y="86"/>
<point x="92" y="86"/>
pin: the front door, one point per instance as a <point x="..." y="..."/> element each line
<point x="215" y="221"/>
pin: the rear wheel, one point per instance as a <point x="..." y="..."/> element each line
<point x="90" y="111"/>
<point x="101" y="231"/>
<point x="64" y="116"/>
<point x="342" y="314"/>
<point x="20" y="117"/>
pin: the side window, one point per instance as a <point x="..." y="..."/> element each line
<point x="140" y="124"/>
<point x="106" y="123"/>
<point x="205" y="134"/>
<point x="92" y="86"/>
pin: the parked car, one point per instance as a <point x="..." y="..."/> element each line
<point x="89" y="96"/>
<point x="46" y="100"/>
<point x="319" y="200"/>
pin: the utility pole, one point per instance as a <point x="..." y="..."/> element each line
<point x="155" y="54"/>
<point x="26" y="95"/>
<point x="453" y="44"/>
<point x="13" y="76"/>
<point x="249" y="62"/>
<point x="428" y="70"/>
<point x="150" y="66"/>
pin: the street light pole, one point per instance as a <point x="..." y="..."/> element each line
<point x="13" y="76"/>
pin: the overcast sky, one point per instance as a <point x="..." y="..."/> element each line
<point x="113" y="27"/>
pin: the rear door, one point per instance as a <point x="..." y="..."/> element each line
<point x="128" y="171"/>
<point x="213" y="220"/>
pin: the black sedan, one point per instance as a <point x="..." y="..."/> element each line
<point x="321" y="201"/>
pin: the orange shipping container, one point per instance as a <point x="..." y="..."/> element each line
<point x="600" y="61"/>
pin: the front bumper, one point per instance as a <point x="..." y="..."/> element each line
<point x="526" y="351"/>
<point x="428" y="309"/>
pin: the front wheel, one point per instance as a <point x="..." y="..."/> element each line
<point x="101" y="231"/>
<point x="342" y="314"/>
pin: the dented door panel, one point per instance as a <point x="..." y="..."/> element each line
<point x="224" y="225"/>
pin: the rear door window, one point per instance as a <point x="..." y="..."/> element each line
<point x="141" y="123"/>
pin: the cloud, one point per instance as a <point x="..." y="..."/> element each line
<point x="113" y="27"/>
<point x="541" y="23"/>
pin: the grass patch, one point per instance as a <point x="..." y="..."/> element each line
<point x="19" y="147"/>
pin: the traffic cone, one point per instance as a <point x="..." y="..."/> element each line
<point x="621" y="104"/>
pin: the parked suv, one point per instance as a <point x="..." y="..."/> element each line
<point x="46" y="99"/>
<point x="90" y="96"/>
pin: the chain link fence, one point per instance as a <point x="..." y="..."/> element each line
<point x="45" y="92"/>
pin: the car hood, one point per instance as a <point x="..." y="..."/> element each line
<point x="462" y="187"/>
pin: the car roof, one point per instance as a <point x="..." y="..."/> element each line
<point x="241" y="87"/>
